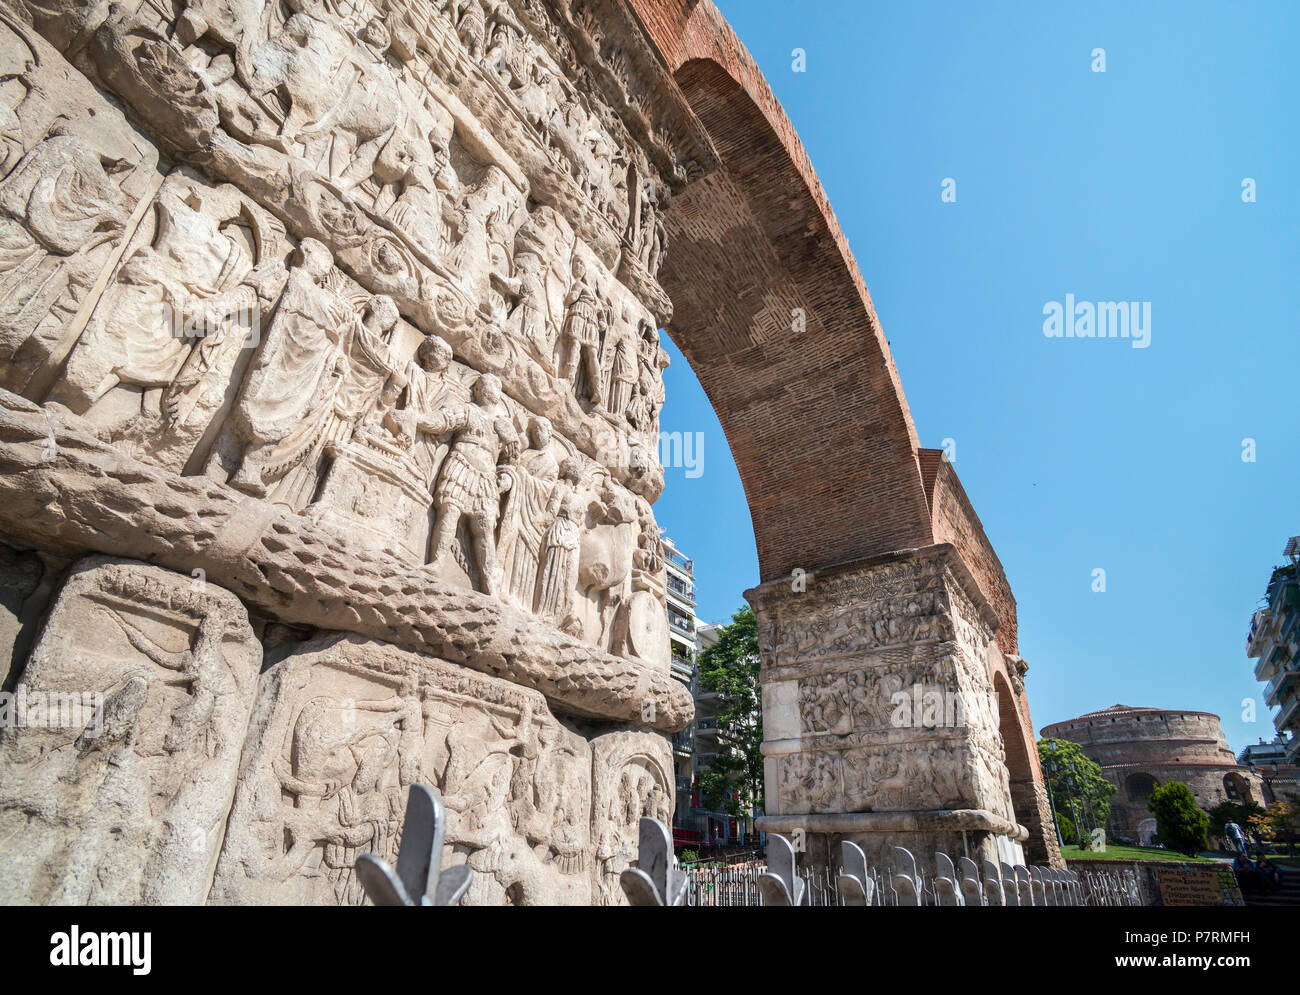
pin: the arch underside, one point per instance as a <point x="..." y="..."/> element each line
<point x="771" y="317"/>
<point x="769" y="308"/>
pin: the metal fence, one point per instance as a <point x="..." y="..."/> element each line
<point x="711" y="884"/>
<point x="1111" y="886"/>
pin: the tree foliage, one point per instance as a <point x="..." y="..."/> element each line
<point x="1086" y="785"/>
<point x="1179" y="823"/>
<point x="1068" y="836"/>
<point x="730" y="668"/>
<point x="1242" y="813"/>
<point x="1280" y="821"/>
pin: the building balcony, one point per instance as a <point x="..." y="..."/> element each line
<point x="1288" y="718"/>
<point x="1266" y="665"/>
<point x="682" y="563"/>
<point x="1257" y="636"/>
<point x="681" y="606"/>
<point x="685" y="626"/>
<point x="681" y="591"/>
<point x="1286" y="677"/>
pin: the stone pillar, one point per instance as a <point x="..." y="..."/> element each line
<point x="1028" y="789"/>
<point x="879" y="714"/>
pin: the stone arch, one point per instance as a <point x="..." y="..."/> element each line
<point x="1236" y="788"/>
<point x="1138" y="787"/>
<point x="1024" y="772"/>
<point x="753" y="252"/>
<point x="1015" y="746"/>
<point x="772" y="313"/>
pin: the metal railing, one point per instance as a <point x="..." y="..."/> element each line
<point x="710" y="884"/>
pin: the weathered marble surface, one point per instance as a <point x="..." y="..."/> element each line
<point x="880" y="717"/>
<point x="346" y="314"/>
<point x="343" y="726"/>
<point x="90" y="495"/>
<point x="126" y="802"/>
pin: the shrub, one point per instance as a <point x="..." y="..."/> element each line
<point x="1068" y="836"/>
<point x="1180" y="824"/>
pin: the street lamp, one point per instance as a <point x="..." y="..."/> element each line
<point x="1051" y="802"/>
<point x="1074" y="815"/>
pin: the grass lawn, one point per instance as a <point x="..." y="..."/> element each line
<point x="1115" y="852"/>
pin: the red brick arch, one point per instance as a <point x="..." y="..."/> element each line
<point x="817" y="420"/>
<point x="815" y="415"/>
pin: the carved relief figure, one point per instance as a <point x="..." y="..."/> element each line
<point x="371" y="368"/>
<point x="289" y="396"/>
<point x="427" y="391"/>
<point x="560" y="550"/>
<point x="580" y="338"/>
<point x="468" y="485"/>
<point x="810" y="782"/>
<point x="343" y="99"/>
<point x="610" y="535"/>
<point x="346" y="771"/>
<point x="142" y="783"/>
<point x="489" y="216"/>
<point x="824" y="704"/>
<point x="623" y="362"/>
<point x="58" y="208"/>
<point x="528" y="319"/>
<point x="177" y="318"/>
<point x="527" y="515"/>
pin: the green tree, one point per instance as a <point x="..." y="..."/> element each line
<point x="1180" y="824"/>
<point x="729" y="667"/>
<point x="1072" y="776"/>
<point x="1280" y="821"/>
<point x="1067" y="829"/>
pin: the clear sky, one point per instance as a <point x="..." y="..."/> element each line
<point x="1123" y="185"/>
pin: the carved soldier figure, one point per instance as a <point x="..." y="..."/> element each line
<point x="57" y="208"/>
<point x="580" y="339"/>
<point x="468" y="485"/>
<point x="371" y="367"/>
<point x="470" y="20"/>
<point x="486" y="224"/>
<point x="426" y="392"/>
<point x="171" y="300"/>
<point x="647" y="398"/>
<point x="505" y="53"/>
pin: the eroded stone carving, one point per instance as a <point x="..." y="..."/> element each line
<point x="127" y="801"/>
<point x="887" y="663"/>
<point x="71" y="175"/>
<point x="375" y="349"/>
<point x="633" y="779"/>
<point x="344" y="726"/>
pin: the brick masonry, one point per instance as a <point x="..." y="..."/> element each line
<point x="815" y="413"/>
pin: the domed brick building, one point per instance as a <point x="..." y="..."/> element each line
<point x="1140" y="748"/>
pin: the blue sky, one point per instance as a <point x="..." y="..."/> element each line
<point x="1124" y="185"/>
